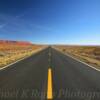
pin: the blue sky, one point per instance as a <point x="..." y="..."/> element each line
<point x="51" y="21"/>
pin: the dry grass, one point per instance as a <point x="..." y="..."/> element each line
<point x="89" y="54"/>
<point x="12" y="52"/>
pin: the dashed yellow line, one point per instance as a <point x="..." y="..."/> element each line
<point x="49" y="85"/>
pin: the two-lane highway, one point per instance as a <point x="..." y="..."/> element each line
<point x="49" y="74"/>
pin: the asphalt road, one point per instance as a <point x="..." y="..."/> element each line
<point x="71" y="80"/>
<point x="25" y="80"/>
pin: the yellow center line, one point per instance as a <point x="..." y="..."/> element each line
<point x="49" y="85"/>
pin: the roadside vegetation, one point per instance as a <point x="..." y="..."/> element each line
<point x="10" y="52"/>
<point x="88" y="54"/>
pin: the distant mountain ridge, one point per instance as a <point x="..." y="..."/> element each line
<point x="15" y="42"/>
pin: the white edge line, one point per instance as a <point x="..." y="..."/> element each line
<point x="21" y="59"/>
<point x="79" y="60"/>
<point x="13" y="63"/>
